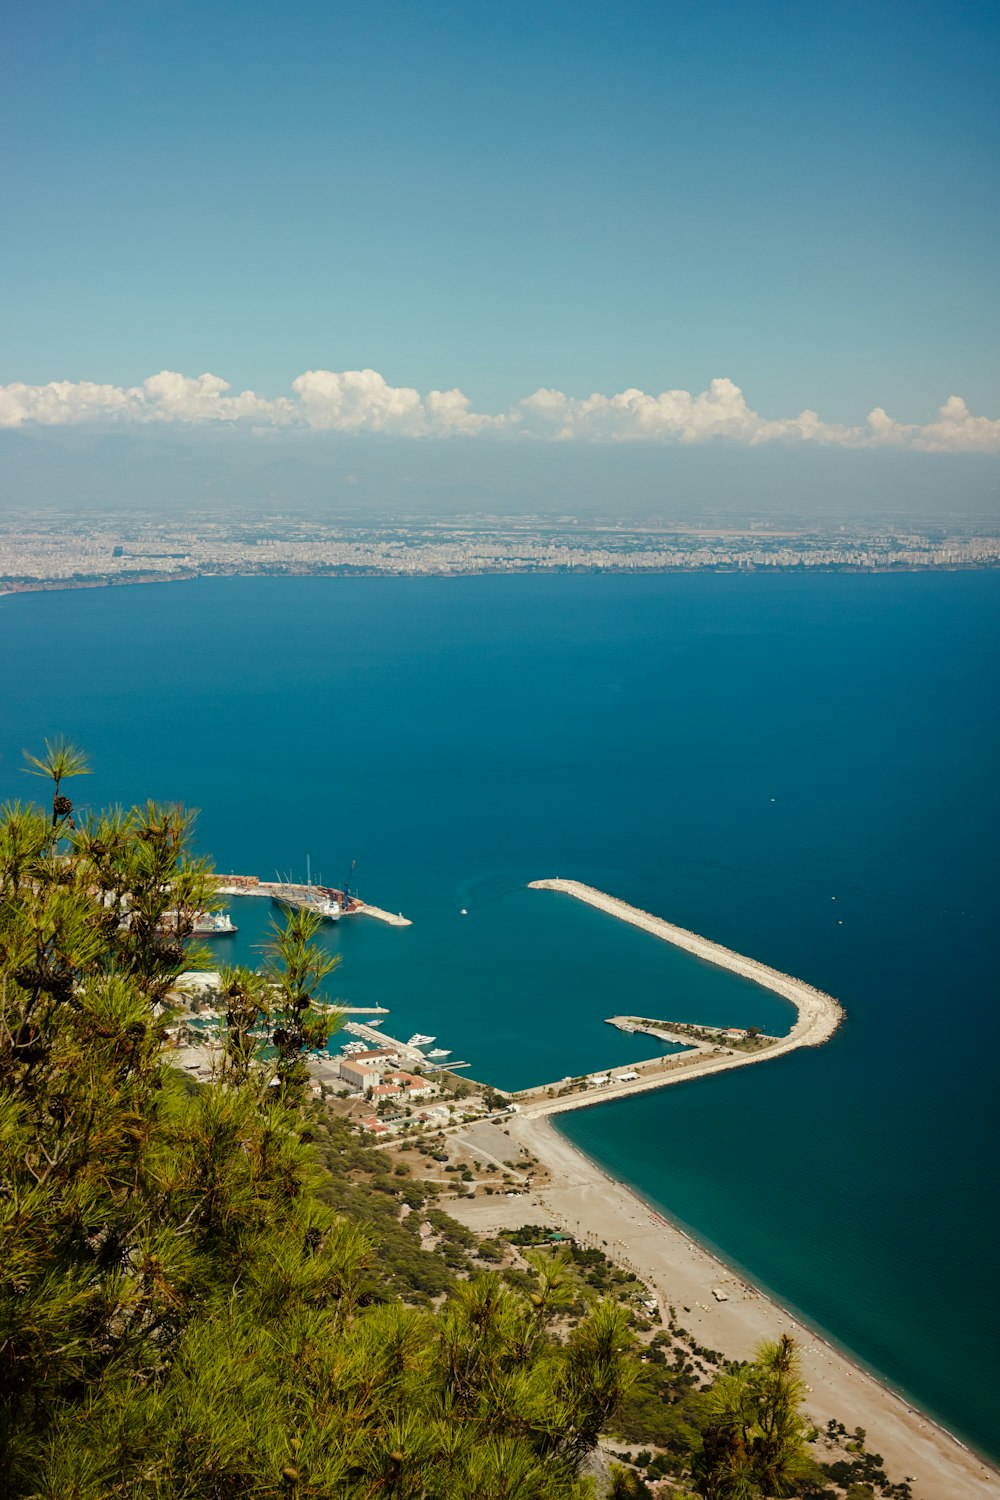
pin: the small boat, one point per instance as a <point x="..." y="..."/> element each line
<point x="419" y="1040"/>
<point x="464" y="912"/>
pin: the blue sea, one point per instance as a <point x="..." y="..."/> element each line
<point x="803" y="768"/>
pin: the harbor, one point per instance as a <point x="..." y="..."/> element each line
<point x="410" y="1051"/>
<point x="331" y="903"/>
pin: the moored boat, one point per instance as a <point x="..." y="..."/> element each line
<point x="199" y="923"/>
<point x="326" y="907"/>
<point x="214" y="924"/>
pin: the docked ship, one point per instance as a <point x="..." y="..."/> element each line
<point x="213" y="924"/>
<point x="418" y="1040"/>
<point x="202" y="923"/>
<point x="440" y="1052"/>
<point x="319" y="902"/>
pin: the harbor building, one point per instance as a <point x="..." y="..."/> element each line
<point x="362" y="1076"/>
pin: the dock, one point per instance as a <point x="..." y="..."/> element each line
<point x="413" y="1055"/>
<point x="393" y="919"/>
<point x="295" y="892"/>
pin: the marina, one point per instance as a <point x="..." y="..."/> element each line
<point x="406" y="1050"/>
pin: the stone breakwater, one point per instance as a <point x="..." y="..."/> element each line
<point x="817" y="1014"/>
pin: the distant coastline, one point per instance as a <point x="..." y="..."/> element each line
<point x="10" y="587"/>
<point x="73" y="549"/>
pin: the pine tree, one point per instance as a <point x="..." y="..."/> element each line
<point x="755" y="1443"/>
<point x="181" y="1315"/>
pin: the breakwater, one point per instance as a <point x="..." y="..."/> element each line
<point x="817" y="1014"/>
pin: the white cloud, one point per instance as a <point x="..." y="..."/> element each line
<point x="357" y="401"/>
<point x="362" y="401"/>
<point x="167" y="397"/>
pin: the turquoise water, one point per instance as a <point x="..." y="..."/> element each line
<point x="730" y="752"/>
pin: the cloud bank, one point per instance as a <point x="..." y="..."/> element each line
<point x="362" y="401"/>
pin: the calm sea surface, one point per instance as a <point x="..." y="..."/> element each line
<point x="802" y="768"/>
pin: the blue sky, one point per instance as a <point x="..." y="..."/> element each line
<point x="799" y="199"/>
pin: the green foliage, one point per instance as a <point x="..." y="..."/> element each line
<point x="626" y="1484"/>
<point x="755" y="1443"/>
<point x="200" y="1292"/>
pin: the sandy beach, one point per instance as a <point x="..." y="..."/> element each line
<point x="585" y="1202"/>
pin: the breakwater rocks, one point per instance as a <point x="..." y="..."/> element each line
<point x="817" y="1015"/>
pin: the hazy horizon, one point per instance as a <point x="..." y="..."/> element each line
<point x="342" y="475"/>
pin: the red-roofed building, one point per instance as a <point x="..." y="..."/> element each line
<point x="411" y="1084"/>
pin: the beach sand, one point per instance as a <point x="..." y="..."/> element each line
<point x="582" y="1200"/>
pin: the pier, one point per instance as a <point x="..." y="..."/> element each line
<point x="693" y="1034"/>
<point x="206" y="981"/>
<point x="294" y="892"/>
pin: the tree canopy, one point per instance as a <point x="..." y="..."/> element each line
<point x="182" y="1311"/>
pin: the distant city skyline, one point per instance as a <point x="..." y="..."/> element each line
<point x="761" y="225"/>
<point x="74" y="550"/>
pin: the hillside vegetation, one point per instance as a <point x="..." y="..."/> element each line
<point x="211" y="1291"/>
<point x="183" y="1311"/>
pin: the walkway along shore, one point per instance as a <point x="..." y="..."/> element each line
<point x="817" y="1014"/>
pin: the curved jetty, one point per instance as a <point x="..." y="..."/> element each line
<point x="817" y="1014"/>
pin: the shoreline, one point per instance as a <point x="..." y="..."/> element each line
<point x="582" y="1199"/>
<point x="581" y="569"/>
